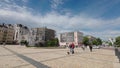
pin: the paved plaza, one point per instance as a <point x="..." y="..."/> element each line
<point x="16" y="56"/>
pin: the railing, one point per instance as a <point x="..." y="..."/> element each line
<point x="117" y="53"/>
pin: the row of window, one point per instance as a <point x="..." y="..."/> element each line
<point x="7" y="31"/>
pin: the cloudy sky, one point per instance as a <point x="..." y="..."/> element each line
<point x="100" y="18"/>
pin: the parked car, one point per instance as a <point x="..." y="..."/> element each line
<point x="96" y="47"/>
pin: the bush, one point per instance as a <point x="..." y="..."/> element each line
<point x="117" y="42"/>
<point x="39" y="44"/>
<point x="52" y="43"/>
<point x="24" y="42"/>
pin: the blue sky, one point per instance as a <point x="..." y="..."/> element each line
<point x="100" y="18"/>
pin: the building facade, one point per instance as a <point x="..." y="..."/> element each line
<point x="3" y="32"/>
<point x="6" y="33"/>
<point x="21" y="33"/>
<point x="91" y="38"/>
<point x="70" y="37"/>
<point x="18" y="32"/>
<point x="40" y="35"/>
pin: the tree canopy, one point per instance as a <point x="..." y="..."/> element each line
<point x="52" y="43"/>
<point x="99" y="41"/>
<point x="117" y="41"/>
<point x="86" y="41"/>
<point x="95" y="41"/>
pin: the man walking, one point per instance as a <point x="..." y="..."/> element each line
<point x="72" y="46"/>
<point x="90" y="46"/>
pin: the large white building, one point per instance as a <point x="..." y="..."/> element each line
<point x="70" y="37"/>
<point x="21" y="33"/>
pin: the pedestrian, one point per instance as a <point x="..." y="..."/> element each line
<point x="72" y="46"/>
<point x="68" y="47"/>
<point x="90" y="47"/>
<point x="4" y="44"/>
<point x="83" y="47"/>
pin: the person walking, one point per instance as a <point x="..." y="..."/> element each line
<point x="83" y="47"/>
<point x="90" y="47"/>
<point x="72" y="46"/>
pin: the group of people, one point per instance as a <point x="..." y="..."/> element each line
<point x="72" y="46"/>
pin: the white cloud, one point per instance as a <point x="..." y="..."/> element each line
<point x="61" y="23"/>
<point x="105" y="34"/>
<point x="25" y="1"/>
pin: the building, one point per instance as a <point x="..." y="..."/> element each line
<point x="91" y="37"/>
<point x="70" y="37"/>
<point x="18" y="32"/>
<point x="40" y="35"/>
<point x="1" y="34"/>
<point x="6" y="34"/>
<point x="3" y="30"/>
<point x="21" y="33"/>
<point x="10" y="34"/>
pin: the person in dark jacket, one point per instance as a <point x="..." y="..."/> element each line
<point x="72" y="46"/>
<point x="90" y="47"/>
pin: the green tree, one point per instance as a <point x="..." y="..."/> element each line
<point x="117" y="42"/>
<point x="24" y="42"/>
<point x="53" y="42"/>
<point x="110" y="44"/>
<point x="85" y="41"/>
<point x="94" y="42"/>
<point x="99" y="41"/>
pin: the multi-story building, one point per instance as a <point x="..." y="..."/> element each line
<point x="6" y="33"/>
<point x="18" y="32"/>
<point x="21" y="33"/>
<point x="70" y="37"/>
<point x="91" y="37"/>
<point x="2" y="32"/>
<point x="40" y="35"/>
<point x="10" y="34"/>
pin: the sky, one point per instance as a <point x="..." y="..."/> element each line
<point x="99" y="18"/>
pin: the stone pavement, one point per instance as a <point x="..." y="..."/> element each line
<point x="22" y="57"/>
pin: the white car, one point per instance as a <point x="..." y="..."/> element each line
<point x="96" y="47"/>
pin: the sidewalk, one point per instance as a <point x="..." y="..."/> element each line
<point x="10" y="57"/>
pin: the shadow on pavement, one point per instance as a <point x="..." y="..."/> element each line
<point x="29" y="60"/>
